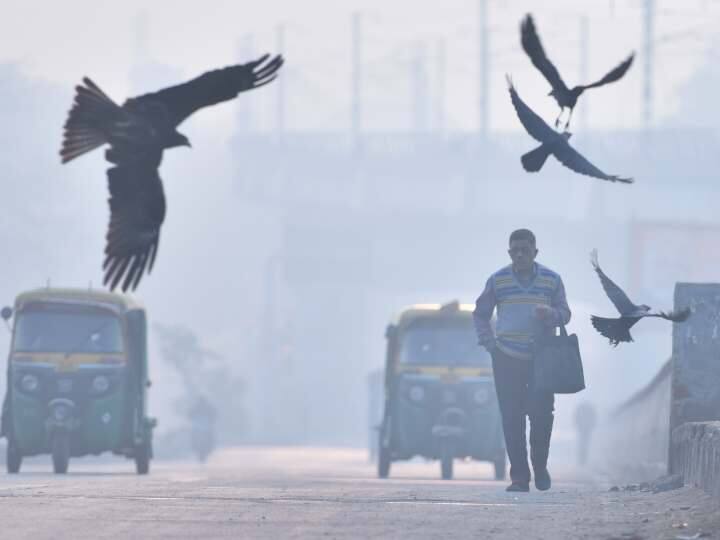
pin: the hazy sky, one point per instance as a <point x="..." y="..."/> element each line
<point x="63" y="41"/>
<point x="218" y="242"/>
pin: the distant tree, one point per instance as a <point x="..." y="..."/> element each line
<point x="205" y="373"/>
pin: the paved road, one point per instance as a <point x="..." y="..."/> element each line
<point x="285" y="493"/>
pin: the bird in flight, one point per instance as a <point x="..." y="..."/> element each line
<point x="552" y="142"/>
<point x="138" y="132"/>
<point x="565" y="97"/>
<point x="618" y="330"/>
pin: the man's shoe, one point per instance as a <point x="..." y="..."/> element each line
<point x="519" y="486"/>
<point x="542" y="480"/>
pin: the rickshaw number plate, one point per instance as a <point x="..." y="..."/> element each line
<point x="66" y="364"/>
<point x="450" y="377"/>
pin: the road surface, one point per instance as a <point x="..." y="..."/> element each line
<point x="286" y="493"/>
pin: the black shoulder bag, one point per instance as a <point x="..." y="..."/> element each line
<point x="557" y="364"/>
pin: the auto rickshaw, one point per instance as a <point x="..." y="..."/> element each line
<point x="77" y="378"/>
<point x="440" y="398"/>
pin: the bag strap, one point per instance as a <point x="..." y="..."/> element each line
<point x="563" y="331"/>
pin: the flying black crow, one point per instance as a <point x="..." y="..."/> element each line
<point x="138" y="133"/>
<point x="553" y="143"/>
<point x="617" y="330"/>
<point x="565" y="97"/>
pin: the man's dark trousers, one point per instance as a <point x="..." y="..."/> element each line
<point x="518" y="399"/>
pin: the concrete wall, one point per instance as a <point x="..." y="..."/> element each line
<point x="696" y="355"/>
<point x="695" y="399"/>
<point x="695" y="452"/>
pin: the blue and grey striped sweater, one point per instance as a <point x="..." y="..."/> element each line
<point x="516" y="325"/>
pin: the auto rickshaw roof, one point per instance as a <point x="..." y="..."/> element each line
<point x="96" y="297"/>
<point x="418" y="311"/>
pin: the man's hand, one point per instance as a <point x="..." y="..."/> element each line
<point x="489" y="347"/>
<point x="543" y="312"/>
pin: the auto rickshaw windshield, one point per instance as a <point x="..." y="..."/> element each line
<point x="68" y="332"/>
<point x="442" y="343"/>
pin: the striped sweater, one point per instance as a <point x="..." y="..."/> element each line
<point x="516" y="325"/>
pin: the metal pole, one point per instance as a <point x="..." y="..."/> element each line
<point x="583" y="67"/>
<point x="356" y="112"/>
<point x="648" y="37"/>
<point x="440" y="76"/>
<point x="419" y="88"/>
<point x="246" y="50"/>
<point x="484" y="68"/>
<point x="280" y="83"/>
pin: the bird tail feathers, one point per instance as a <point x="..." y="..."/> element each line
<point x="535" y="159"/>
<point x="675" y="316"/>
<point x="90" y="118"/>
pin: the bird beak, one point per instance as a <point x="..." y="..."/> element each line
<point x="188" y="144"/>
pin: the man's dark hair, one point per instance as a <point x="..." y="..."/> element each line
<point x="522" y="234"/>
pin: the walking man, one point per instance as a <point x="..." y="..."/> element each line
<point x="530" y="301"/>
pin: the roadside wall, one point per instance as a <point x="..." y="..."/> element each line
<point x="695" y="391"/>
<point x="695" y="452"/>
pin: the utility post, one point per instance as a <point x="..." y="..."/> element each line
<point x="419" y="79"/>
<point x="483" y="70"/>
<point x="649" y="52"/>
<point x="280" y="84"/>
<point x="356" y="82"/>
<point x="476" y="174"/>
<point x="440" y="77"/>
<point x="583" y="67"/>
<point x="245" y="117"/>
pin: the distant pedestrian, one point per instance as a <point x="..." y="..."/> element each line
<point x="585" y="422"/>
<point x="530" y="301"/>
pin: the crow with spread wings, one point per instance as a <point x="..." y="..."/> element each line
<point x="565" y="97"/>
<point x="552" y="142"/>
<point x="618" y="330"/>
<point x="138" y="132"/>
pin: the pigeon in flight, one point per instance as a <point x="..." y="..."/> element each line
<point x="565" y="97"/>
<point x="552" y="142"/>
<point x="138" y="132"/>
<point x="618" y="330"/>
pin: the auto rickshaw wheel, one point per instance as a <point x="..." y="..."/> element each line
<point x="384" y="461"/>
<point x="446" y="461"/>
<point x="13" y="458"/>
<point x="500" y="464"/>
<point x="142" y="458"/>
<point x="60" y="452"/>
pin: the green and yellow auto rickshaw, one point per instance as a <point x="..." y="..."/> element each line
<point x="77" y="378"/>
<point x="440" y="398"/>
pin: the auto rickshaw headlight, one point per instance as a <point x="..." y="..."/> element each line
<point x="417" y="393"/>
<point x="100" y="384"/>
<point x="60" y="412"/>
<point x="481" y="396"/>
<point x="29" y="383"/>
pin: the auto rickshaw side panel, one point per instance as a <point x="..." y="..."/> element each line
<point x="138" y="427"/>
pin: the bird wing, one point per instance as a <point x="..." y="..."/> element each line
<point x="534" y="49"/>
<point x="617" y="296"/>
<point x="137" y="210"/>
<point x="535" y="126"/>
<point x="615" y="74"/>
<point x="212" y="87"/>
<point x="674" y="316"/>
<point x="575" y="161"/>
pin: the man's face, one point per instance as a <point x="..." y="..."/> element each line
<point x="522" y="253"/>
